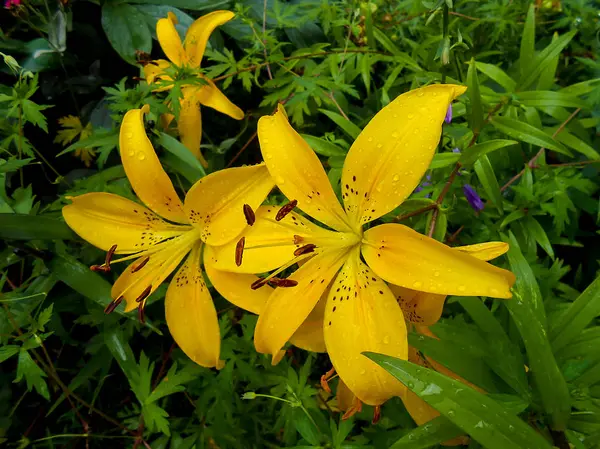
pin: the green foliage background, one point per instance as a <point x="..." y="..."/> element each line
<point x="527" y="140"/>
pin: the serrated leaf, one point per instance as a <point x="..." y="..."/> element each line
<point x="173" y="382"/>
<point x="477" y="414"/>
<point x="33" y="374"/>
<point x="527" y="133"/>
<point x="346" y="125"/>
<point x="487" y="177"/>
<point x="471" y="154"/>
<point x="7" y="351"/>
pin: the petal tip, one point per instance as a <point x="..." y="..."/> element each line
<point x="172" y="17"/>
<point x="145" y="109"/>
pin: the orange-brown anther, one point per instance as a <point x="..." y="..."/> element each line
<point x="286" y="209"/>
<point x="142" y="312"/>
<point x="325" y="380"/>
<point x="105" y="267"/>
<point x="258" y="283"/>
<point x="354" y="409"/>
<point x="144" y="294"/>
<point x="141" y="265"/>
<point x="309" y="248"/>
<point x="249" y="214"/>
<point x="113" y="305"/>
<point x="283" y="282"/>
<point x="376" y="414"/>
<point x="239" y="251"/>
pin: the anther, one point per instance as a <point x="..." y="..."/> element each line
<point x="376" y="414"/>
<point x="141" y="314"/>
<point x="308" y="248"/>
<point x="286" y="209"/>
<point x="144" y="294"/>
<point x="258" y="283"/>
<point x="113" y="305"/>
<point x="298" y="239"/>
<point x="249" y="214"/>
<point x="239" y="251"/>
<point x="105" y="267"/>
<point x="141" y="265"/>
<point x="277" y="282"/>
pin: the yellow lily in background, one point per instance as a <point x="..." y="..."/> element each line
<point x="160" y="235"/>
<point x="189" y="54"/>
<point x="360" y="312"/>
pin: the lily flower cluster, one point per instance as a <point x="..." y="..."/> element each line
<point x="353" y="287"/>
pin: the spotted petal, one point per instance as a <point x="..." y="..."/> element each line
<point x="199" y="32"/>
<point x="392" y="153"/>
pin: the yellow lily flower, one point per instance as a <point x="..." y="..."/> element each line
<point x="382" y="168"/>
<point x="189" y="54"/>
<point x="159" y="236"/>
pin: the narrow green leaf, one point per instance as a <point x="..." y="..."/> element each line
<point x="323" y="147"/>
<point x="546" y="80"/>
<point x="179" y="150"/>
<point x="525" y="311"/>
<point x="121" y="351"/>
<point x="513" y="216"/>
<point x="528" y="40"/>
<point x="471" y="154"/>
<point x="527" y="133"/>
<point x="574" y="142"/>
<point x="475" y="97"/>
<point x="498" y="75"/>
<point x="365" y="71"/>
<point x="477" y="414"/>
<point x="347" y="126"/>
<point x="434" y="432"/>
<point x="399" y="56"/>
<point x="582" y="88"/>
<point x="369" y="27"/>
<point x="543" y="60"/>
<point x="444" y="160"/>
<point x="487" y="177"/>
<point x="540" y="98"/>
<point x="538" y="233"/>
<point x="578" y="316"/>
<point x="33" y="227"/>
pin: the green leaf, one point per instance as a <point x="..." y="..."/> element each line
<point x="32" y="113"/>
<point x="527" y="133"/>
<point x="574" y="142"/>
<point x="347" y="126"/>
<point x="526" y="310"/>
<point x="475" y="97"/>
<point x="179" y="150"/>
<point x="528" y="40"/>
<point x="540" y="98"/>
<point x="578" y="316"/>
<point x="444" y="160"/>
<point x="546" y="79"/>
<point x="543" y="60"/>
<point x="121" y="351"/>
<point x="535" y="228"/>
<point x="13" y="164"/>
<point x="323" y="147"/>
<point x="173" y="382"/>
<point x="33" y="227"/>
<point x="481" y="417"/>
<point x="195" y="5"/>
<point x="498" y="75"/>
<point x="7" y="351"/>
<point x="582" y="88"/>
<point x="100" y="139"/>
<point x="126" y="30"/>
<point x="400" y="57"/>
<point x="34" y="376"/>
<point x="471" y="154"/>
<point x="428" y="435"/>
<point x="487" y="177"/>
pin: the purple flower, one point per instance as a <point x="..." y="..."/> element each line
<point x="448" y="117"/>
<point x="456" y="150"/>
<point x="9" y="4"/>
<point x="472" y="197"/>
<point x="423" y="184"/>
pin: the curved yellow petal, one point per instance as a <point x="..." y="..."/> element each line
<point x="215" y="204"/>
<point x="169" y="39"/>
<point x="269" y="243"/>
<point x="343" y="395"/>
<point x="155" y="70"/>
<point x="287" y="308"/>
<point x="392" y="153"/>
<point x="104" y="220"/>
<point x="144" y="171"/>
<point x="235" y="287"/>
<point x="309" y="335"/>
<point x="485" y="251"/>
<point x="191" y="314"/>
<point x="362" y="315"/>
<point x="298" y="171"/>
<point x="210" y="95"/>
<point x="404" y="257"/>
<point x="189" y="124"/>
<point x="199" y="32"/>
<point x="141" y="278"/>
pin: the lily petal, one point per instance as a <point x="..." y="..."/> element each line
<point x="199" y="32"/>
<point x="485" y="251"/>
<point x="210" y="95"/>
<point x="298" y="171"/>
<point x="287" y="308"/>
<point x="309" y="335"/>
<point x="189" y="124"/>
<point x="344" y="397"/>
<point x="191" y="314"/>
<point x="146" y="175"/>
<point x="169" y="39"/>
<point x="155" y="70"/>
<point x="392" y="153"/>
<point x="269" y="243"/>
<point x="105" y="219"/>
<point x="404" y="257"/>
<point x="362" y="315"/>
<point x="235" y="287"/>
<point x="215" y="204"/>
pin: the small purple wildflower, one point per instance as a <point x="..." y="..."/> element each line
<point x="473" y="198"/>
<point x="448" y="117"/>
<point x="456" y="150"/>
<point x="424" y="184"/>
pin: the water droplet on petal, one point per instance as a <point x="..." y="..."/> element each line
<point x="411" y="115"/>
<point x="141" y="156"/>
<point x="461" y="288"/>
<point x="417" y="284"/>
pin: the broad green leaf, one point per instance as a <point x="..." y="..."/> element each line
<point x="444" y="160"/>
<point x="538" y="233"/>
<point x="179" y="150"/>
<point x="33" y="227"/>
<point x="475" y="98"/>
<point x="33" y="374"/>
<point x="477" y="414"/>
<point x="126" y="30"/>
<point x="7" y="351"/>
<point x="498" y="75"/>
<point x="121" y="351"/>
<point x="541" y="98"/>
<point x="323" y="147"/>
<point x="524" y="308"/>
<point x="528" y="40"/>
<point x="527" y="133"/>
<point x="578" y="316"/>
<point x="543" y="60"/>
<point x="346" y="125"/>
<point x="546" y="79"/>
<point x="428" y="435"/>
<point x="471" y="154"/>
<point x="487" y="177"/>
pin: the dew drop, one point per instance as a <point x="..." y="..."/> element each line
<point x="420" y="93"/>
<point x="141" y="156"/>
<point x="280" y="180"/>
<point x="396" y="178"/>
<point x="386" y="340"/>
<point x="417" y="284"/>
<point x="411" y="115"/>
<point x="128" y="135"/>
<point x="370" y="139"/>
<point x="395" y="135"/>
<point x="494" y="292"/>
<point x="436" y="273"/>
<point x="461" y="288"/>
<point x="131" y="153"/>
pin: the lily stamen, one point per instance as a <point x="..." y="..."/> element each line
<point x="113" y="305"/>
<point x="144" y="294"/>
<point x="277" y="282"/>
<point x="325" y="378"/>
<point x="285" y="209"/>
<point x="141" y="265"/>
<point x="105" y="267"/>
<point x="141" y="314"/>
<point x="249" y="214"/>
<point x="376" y="414"/>
<point x="308" y="248"/>
<point x="239" y="251"/>
<point x="260" y="282"/>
